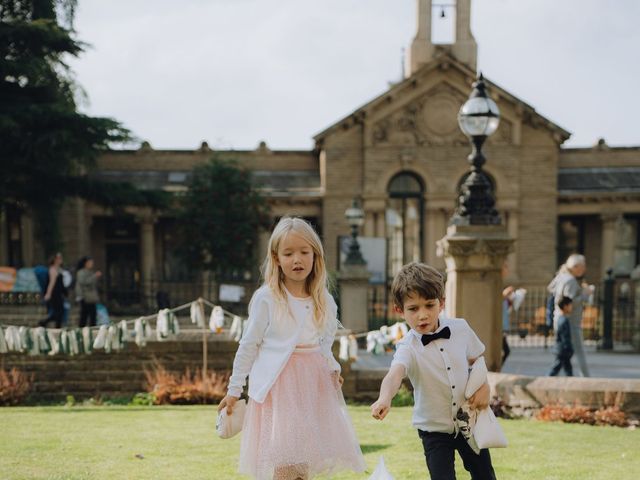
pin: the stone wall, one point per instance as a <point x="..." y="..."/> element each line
<point x="114" y="375"/>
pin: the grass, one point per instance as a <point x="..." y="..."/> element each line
<point x="61" y="443"/>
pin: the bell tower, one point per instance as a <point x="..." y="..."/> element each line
<point x="423" y="48"/>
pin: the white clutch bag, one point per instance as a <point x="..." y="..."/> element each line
<point x="486" y="430"/>
<point x="228" y="426"/>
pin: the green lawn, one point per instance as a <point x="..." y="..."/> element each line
<point x="180" y="443"/>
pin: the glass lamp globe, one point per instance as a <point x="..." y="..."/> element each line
<point x="354" y="215"/>
<point x="479" y="116"/>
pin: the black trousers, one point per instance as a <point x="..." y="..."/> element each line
<point x="439" y="451"/>
<point x="87" y="311"/>
<point x="55" y="313"/>
<point x="562" y="361"/>
<point x="505" y="348"/>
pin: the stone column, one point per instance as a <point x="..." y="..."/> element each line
<point x="147" y="253"/>
<point x="28" y="247"/>
<point x="608" y="243"/>
<point x="421" y="49"/>
<point x="474" y="255"/>
<point x="354" y="286"/>
<point x="465" y="48"/>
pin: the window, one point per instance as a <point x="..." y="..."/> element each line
<point x="404" y="219"/>
<point x="625" y="255"/>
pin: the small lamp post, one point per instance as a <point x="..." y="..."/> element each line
<point x="478" y="118"/>
<point x="355" y="218"/>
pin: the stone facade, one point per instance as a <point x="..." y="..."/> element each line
<point x="553" y="200"/>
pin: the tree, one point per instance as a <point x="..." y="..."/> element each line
<point x="48" y="148"/>
<point x="219" y="219"/>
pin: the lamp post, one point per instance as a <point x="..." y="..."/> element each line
<point x="355" y="218"/>
<point x="478" y="118"/>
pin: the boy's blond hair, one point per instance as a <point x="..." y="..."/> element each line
<point x="417" y="278"/>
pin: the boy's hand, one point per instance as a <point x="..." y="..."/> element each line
<point x="380" y="409"/>
<point x="480" y="399"/>
<point x="228" y="402"/>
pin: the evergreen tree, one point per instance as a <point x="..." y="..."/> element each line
<point x="219" y="218"/>
<point x="47" y="148"/>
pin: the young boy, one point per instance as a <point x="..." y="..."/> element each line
<point x="435" y="354"/>
<point x="564" y="347"/>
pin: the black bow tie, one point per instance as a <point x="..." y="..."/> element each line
<point x="444" y="333"/>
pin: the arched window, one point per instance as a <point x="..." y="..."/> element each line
<point x="404" y="220"/>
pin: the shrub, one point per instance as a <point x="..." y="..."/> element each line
<point x="404" y="398"/>
<point x="186" y="389"/>
<point x="578" y="414"/>
<point x="14" y="386"/>
<point x="144" y="399"/>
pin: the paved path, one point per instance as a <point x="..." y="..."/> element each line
<point x="536" y="361"/>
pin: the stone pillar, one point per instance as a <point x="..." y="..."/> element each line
<point x="354" y="286"/>
<point x="421" y="50"/>
<point x="465" y="48"/>
<point x="28" y="247"/>
<point x="147" y="254"/>
<point x="608" y="244"/>
<point x="474" y="255"/>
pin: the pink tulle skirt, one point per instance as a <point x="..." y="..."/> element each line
<point x="302" y="429"/>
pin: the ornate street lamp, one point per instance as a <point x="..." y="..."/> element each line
<point x="478" y="118"/>
<point x="355" y="218"/>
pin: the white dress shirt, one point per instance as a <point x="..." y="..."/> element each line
<point x="271" y="336"/>
<point x="438" y="372"/>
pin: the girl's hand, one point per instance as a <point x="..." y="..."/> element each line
<point x="480" y="399"/>
<point x="337" y="379"/>
<point x="380" y="409"/>
<point x="228" y="402"/>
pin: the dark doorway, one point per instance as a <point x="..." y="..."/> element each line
<point x="123" y="275"/>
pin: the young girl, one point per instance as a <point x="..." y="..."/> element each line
<point x="296" y="425"/>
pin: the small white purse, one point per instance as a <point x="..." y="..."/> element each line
<point x="486" y="430"/>
<point x="228" y="426"/>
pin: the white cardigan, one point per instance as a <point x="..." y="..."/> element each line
<point x="270" y="338"/>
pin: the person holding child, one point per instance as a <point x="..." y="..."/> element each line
<point x="567" y="283"/>
<point x="296" y="425"/>
<point x="435" y="355"/>
<point x="564" y="346"/>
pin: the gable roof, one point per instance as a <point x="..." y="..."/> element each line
<point x="444" y="60"/>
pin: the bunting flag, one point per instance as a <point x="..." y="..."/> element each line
<point x="235" y="332"/>
<point x="3" y="343"/>
<point x="112" y="337"/>
<point x="353" y="348"/>
<point x="343" y="352"/>
<point x="216" y="320"/>
<point x="196" y="315"/>
<point x="162" y="324"/>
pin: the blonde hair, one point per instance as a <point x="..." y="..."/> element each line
<point x="316" y="283"/>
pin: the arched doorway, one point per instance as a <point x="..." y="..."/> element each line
<point x="404" y="221"/>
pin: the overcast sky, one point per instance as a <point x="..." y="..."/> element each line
<point x="234" y="72"/>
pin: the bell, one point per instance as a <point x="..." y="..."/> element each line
<point x="442" y="14"/>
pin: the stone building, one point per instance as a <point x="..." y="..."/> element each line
<point x="404" y="155"/>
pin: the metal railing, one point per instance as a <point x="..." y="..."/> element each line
<point x="528" y="326"/>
